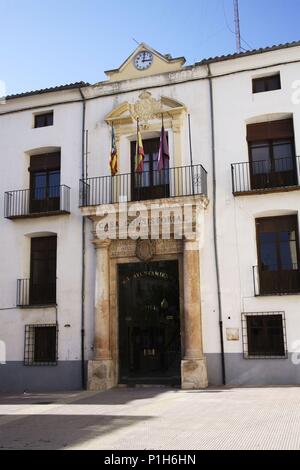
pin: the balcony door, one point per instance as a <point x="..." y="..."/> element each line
<point x="45" y="183"/>
<point x="43" y="271"/>
<point x="151" y="183"/>
<point x="272" y="154"/>
<point x="278" y="254"/>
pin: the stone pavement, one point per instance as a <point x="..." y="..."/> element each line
<point x="153" y="418"/>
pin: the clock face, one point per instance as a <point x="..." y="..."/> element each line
<point x="143" y="60"/>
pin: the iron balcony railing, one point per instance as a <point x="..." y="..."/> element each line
<point x="265" y="175"/>
<point x="30" y="293"/>
<point x="156" y="184"/>
<point x="272" y="280"/>
<point x="37" y="201"/>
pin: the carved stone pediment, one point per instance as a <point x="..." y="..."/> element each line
<point x="146" y="108"/>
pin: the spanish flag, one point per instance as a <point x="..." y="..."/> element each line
<point x="113" y="154"/>
<point x="139" y="155"/>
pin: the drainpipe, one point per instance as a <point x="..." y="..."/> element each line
<point x="211" y="96"/>
<point x="83" y="381"/>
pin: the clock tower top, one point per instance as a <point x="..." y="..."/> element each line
<point x="143" y="62"/>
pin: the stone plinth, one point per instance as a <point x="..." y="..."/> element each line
<point x="193" y="374"/>
<point x="100" y="374"/>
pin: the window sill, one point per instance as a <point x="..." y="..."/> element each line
<point x="265" y="357"/>
<point x="37" y="306"/>
<point x="278" y="294"/>
<point x="41" y="364"/>
<point x="277" y="189"/>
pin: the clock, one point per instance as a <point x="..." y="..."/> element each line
<point x="143" y="60"/>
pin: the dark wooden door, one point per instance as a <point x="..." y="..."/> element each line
<point x="45" y="191"/>
<point x="272" y="164"/>
<point x="43" y="271"/>
<point x="151" y="183"/>
<point x="44" y="183"/>
<point x="149" y="323"/>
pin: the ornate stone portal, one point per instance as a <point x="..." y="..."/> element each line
<point x="103" y="369"/>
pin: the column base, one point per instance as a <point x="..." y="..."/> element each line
<point x="193" y="374"/>
<point x="100" y="374"/>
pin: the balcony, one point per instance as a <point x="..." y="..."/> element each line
<point x="263" y="176"/>
<point x="31" y="294"/>
<point x="269" y="280"/>
<point x="53" y="200"/>
<point x="157" y="184"/>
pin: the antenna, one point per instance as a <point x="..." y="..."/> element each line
<point x="237" y="25"/>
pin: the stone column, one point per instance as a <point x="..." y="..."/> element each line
<point x="100" y="369"/>
<point x="193" y="366"/>
<point x="176" y="126"/>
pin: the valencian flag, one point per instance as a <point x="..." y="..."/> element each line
<point x="163" y="153"/>
<point x="113" y="154"/>
<point x="139" y="154"/>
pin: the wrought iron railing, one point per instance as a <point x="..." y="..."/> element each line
<point x="31" y="202"/>
<point x="263" y="174"/>
<point x="272" y="280"/>
<point x="30" y="293"/>
<point x="156" y="184"/>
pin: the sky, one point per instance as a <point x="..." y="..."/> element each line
<point x="47" y="43"/>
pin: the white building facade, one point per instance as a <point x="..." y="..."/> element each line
<point x="78" y="310"/>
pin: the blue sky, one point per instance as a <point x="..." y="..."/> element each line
<point x="52" y="42"/>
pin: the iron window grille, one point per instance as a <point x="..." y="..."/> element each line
<point x="264" y="335"/>
<point x="41" y="343"/>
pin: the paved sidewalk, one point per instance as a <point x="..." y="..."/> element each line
<point x="153" y="418"/>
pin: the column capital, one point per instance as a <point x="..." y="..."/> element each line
<point x="190" y="244"/>
<point x="102" y="244"/>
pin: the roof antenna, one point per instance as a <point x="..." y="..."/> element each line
<point x="138" y="43"/>
<point x="237" y="25"/>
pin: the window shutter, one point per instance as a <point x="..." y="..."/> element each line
<point x="282" y="129"/>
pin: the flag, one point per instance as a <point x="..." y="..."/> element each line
<point x="139" y="155"/>
<point x="113" y="154"/>
<point x="163" y="153"/>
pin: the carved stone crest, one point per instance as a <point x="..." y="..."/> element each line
<point x="144" y="249"/>
<point x="145" y="108"/>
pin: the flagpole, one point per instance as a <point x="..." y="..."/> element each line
<point x="136" y="178"/>
<point x="112" y="176"/>
<point x="191" y="153"/>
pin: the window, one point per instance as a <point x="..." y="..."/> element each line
<point x="272" y="82"/>
<point x="272" y="154"/>
<point x="278" y="255"/>
<point x="151" y="183"/>
<point x="45" y="183"/>
<point x="43" y="271"/>
<point x="264" y="335"/>
<point x="40" y="345"/>
<point x="43" y="120"/>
